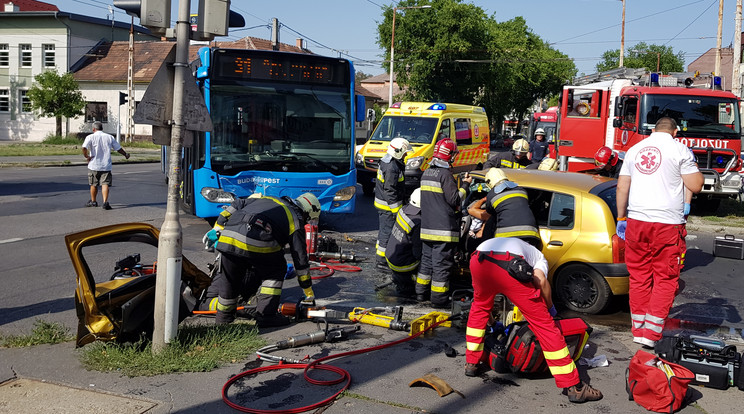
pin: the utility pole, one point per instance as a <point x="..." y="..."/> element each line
<point x="130" y="85"/>
<point x="718" y="38"/>
<point x="622" y="39"/>
<point x="736" y="76"/>
<point x="170" y="242"/>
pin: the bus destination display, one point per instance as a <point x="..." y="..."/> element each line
<point x="286" y="68"/>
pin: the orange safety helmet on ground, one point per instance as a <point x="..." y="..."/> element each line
<point x="605" y="156"/>
<point x="445" y="150"/>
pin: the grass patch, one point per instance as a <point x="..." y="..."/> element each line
<point x="729" y="214"/>
<point x="56" y="145"/>
<point x="59" y="140"/>
<point x="43" y="333"/>
<point x="196" y="348"/>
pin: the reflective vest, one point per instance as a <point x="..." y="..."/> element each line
<point x="403" y="251"/>
<point x="440" y="201"/>
<point x="265" y="225"/>
<point x="510" y="215"/>
<point x="506" y="161"/>
<point x="389" y="185"/>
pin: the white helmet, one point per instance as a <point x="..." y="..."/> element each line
<point x="399" y="147"/>
<point x="494" y="176"/>
<point x="540" y="131"/>
<point x="548" y="164"/>
<point x="521" y="146"/>
<point x="416" y="198"/>
<point x="309" y="204"/>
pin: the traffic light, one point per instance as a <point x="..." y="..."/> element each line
<point x="214" y="19"/>
<point x="153" y="14"/>
<point x="122" y="98"/>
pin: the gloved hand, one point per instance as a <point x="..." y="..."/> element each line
<point x="621" y="225"/>
<point x="210" y="239"/>
<point x="309" y="296"/>
<point x="687" y="209"/>
<point x="552" y="311"/>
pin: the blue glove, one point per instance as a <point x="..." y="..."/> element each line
<point x="621" y="225"/>
<point x="687" y="209"/>
<point x="552" y="311"/>
<point x="210" y="239"/>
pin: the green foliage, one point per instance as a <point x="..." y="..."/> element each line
<point x="56" y="95"/>
<point x="42" y="333"/>
<point x="454" y="52"/>
<point x="60" y="140"/>
<point x="643" y="55"/>
<point x="196" y="348"/>
<point x="359" y="76"/>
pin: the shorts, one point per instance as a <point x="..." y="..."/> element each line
<point x="99" y="177"/>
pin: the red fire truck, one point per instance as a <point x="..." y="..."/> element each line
<point x="619" y="108"/>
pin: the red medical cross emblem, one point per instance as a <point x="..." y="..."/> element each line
<point x="648" y="160"/>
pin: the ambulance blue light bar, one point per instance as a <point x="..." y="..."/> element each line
<point x="717" y="83"/>
<point x="437" y="107"/>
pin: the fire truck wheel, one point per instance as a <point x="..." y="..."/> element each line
<point x="582" y="289"/>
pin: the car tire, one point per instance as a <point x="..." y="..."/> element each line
<point x="582" y="289"/>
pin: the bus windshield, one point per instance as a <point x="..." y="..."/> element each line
<point x="283" y="127"/>
<point x="415" y="129"/>
<point x="696" y="116"/>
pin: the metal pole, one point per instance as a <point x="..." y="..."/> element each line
<point x="170" y="244"/>
<point x="392" y="53"/>
<point x="718" y="38"/>
<point x="622" y="39"/>
<point x="736" y="77"/>
<point x="130" y="85"/>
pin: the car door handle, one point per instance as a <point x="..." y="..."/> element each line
<point x="555" y="243"/>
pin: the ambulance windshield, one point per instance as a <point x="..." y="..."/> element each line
<point x="705" y="116"/>
<point x="415" y="129"/>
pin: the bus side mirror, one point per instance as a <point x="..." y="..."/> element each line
<point x="360" y="113"/>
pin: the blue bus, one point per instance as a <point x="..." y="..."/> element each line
<point x="283" y="126"/>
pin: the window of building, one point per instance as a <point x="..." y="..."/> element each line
<point x="49" y="61"/>
<point x="25" y="55"/>
<point x="4" y="55"/>
<point x="96" y="111"/>
<point x="4" y="100"/>
<point x="25" y="101"/>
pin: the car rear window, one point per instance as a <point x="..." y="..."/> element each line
<point x="607" y="192"/>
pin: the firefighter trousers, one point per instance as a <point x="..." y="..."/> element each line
<point x="437" y="264"/>
<point x="489" y="279"/>
<point x="653" y="254"/>
<point x="387" y="221"/>
<point x="261" y="275"/>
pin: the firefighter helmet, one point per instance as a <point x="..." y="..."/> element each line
<point x="416" y="198"/>
<point x="445" y="150"/>
<point x="494" y="176"/>
<point x="309" y="204"/>
<point x="521" y="146"/>
<point x="604" y="156"/>
<point x="548" y="164"/>
<point x="540" y="131"/>
<point x="399" y="147"/>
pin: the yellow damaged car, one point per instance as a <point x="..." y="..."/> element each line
<point x="576" y="215"/>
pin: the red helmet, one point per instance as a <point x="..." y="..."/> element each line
<point x="446" y="150"/>
<point x="604" y="156"/>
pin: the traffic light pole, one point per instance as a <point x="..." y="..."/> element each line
<point x="170" y="244"/>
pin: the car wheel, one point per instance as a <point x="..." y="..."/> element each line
<point x="582" y="289"/>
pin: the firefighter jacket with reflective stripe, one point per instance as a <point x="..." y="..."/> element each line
<point x="440" y="199"/>
<point x="390" y="184"/>
<point x="403" y="251"/>
<point x="510" y="215"/>
<point x="265" y="225"/>
<point x="506" y="161"/>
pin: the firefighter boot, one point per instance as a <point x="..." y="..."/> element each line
<point x="271" y="321"/>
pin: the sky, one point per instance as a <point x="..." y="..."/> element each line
<point x="581" y="29"/>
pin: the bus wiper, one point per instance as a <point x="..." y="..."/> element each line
<point x="310" y="157"/>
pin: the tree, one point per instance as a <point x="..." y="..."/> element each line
<point x="359" y="76"/>
<point x="646" y="56"/>
<point x="57" y="96"/>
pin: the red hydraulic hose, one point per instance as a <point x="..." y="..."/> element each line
<point x="343" y="375"/>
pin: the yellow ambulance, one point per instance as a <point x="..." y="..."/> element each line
<point x="423" y="124"/>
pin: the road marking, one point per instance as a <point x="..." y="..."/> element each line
<point x="133" y="172"/>
<point x="11" y="240"/>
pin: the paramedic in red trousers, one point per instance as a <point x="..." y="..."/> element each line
<point x="403" y="253"/>
<point x="532" y="298"/>
<point x="440" y="224"/>
<point x="390" y="193"/>
<point x="251" y="234"/>
<point x="653" y="226"/>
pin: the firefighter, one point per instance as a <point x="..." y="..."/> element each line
<point x="403" y="253"/>
<point x="532" y="297"/>
<point x="389" y="193"/>
<point x="509" y="209"/>
<point x="608" y="162"/>
<point x="517" y="158"/>
<point x="539" y="147"/>
<point x="547" y="164"/>
<point x="440" y="224"/>
<point x="251" y="234"/>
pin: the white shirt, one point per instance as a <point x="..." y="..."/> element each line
<point x="518" y="247"/>
<point x="99" y="145"/>
<point x="655" y="166"/>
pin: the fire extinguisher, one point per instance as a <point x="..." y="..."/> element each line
<point x="311" y="238"/>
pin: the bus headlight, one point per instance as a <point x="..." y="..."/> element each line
<point x="216" y="195"/>
<point x="414" y="163"/>
<point x="359" y="158"/>
<point x="346" y="193"/>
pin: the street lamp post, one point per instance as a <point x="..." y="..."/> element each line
<point x="392" y="47"/>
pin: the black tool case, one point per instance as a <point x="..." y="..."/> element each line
<point x="729" y="246"/>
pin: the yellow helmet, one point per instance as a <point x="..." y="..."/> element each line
<point x="494" y="176"/>
<point x="521" y="146"/>
<point x="548" y="164"/>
